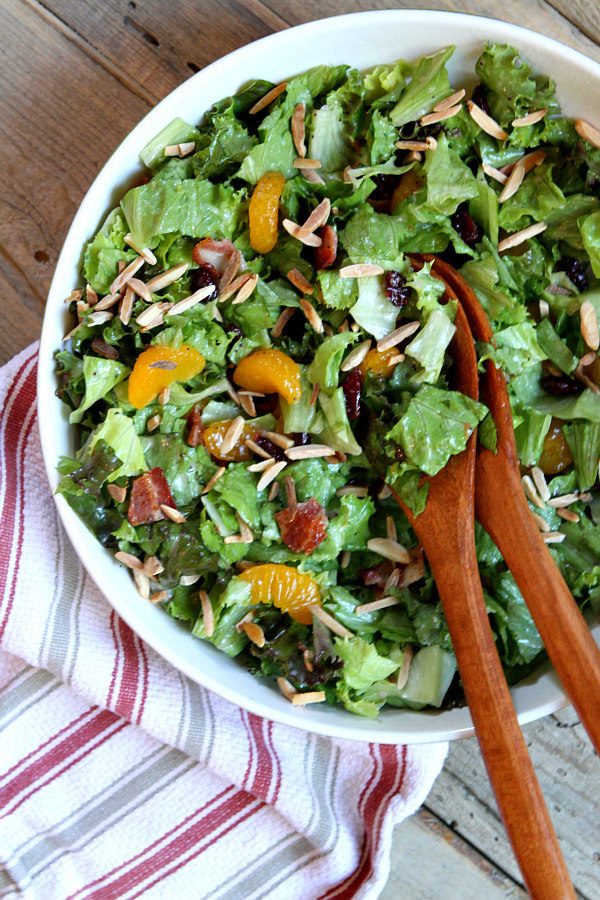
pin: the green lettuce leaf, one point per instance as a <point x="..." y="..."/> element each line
<point x="103" y="255"/>
<point x="430" y="344"/>
<point x="537" y="198"/>
<point x="555" y="349"/>
<point x="590" y="235"/>
<point x="325" y="367"/>
<point x="187" y="469"/>
<point x="449" y="181"/>
<point x="563" y="223"/>
<point x="362" y="663"/>
<point x="382" y="138"/>
<point x="583" y="439"/>
<point x="338" y="293"/>
<point x="237" y="487"/>
<point x="530" y="430"/>
<point x="429" y="84"/>
<point x="100" y="376"/>
<point x="118" y="431"/>
<point x="373" y="311"/>
<point x="514" y="89"/>
<point x="516" y="348"/>
<point x="176" y="132"/>
<point x="337" y="432"/>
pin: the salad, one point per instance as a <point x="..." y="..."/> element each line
<point x="259" y="361"/>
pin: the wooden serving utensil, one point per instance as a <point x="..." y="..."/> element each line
<point x="501" y="507"/>
<point x="445" y="528"/>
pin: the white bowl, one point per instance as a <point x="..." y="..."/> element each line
<point x="361" y="40"/>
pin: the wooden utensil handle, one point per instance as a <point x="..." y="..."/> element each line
<point x="509" y="767"/>
<point x="565" y="633"/>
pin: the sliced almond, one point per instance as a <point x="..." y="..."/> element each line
<point x="312" y="316"/>
<point x="189" y="580"/>
<point x="188" y="302"/>
<point x="554" y="537"/>
<point x="389" y="550"/>
<point x="233" y="434"/>
<point x="413" y="572"/>
<point x="234" y="286"/>
<point x="296" y="231"/>
<point x="514" y="182"/>
<point x="299" y="128"/>
<point x="540" y="522"/>
<point x="590" y="331"/>
<point x="284" y="317"/>
<point x="287" y="689"/>
<point x="302" y="162"/>
<point x="127" y="273"/>
<point x="336" y="627"/>
<point x="254" y="633"/>
<point x="318" y="216"/>
<point x="91" y="296"/>
<point x="305" y="697"/>
<point x="107" y="302"/>
<point x="309" y="451"/>
<point x="126" y="307"/>
<point x="513" y="240"/>
<point x="452" y="100"/>
<point x="404" y="670"/>
<point x="153" y="423"/>
<point x="153" y="566"/>
<point x="280" y="440"/>
<point x="356" y="356"/>
<point x="246" y="289"/>
<point x="261" y="466"/>
<point x="496" y="174"/>
<point x="588" y="132"/>
<point x="390" y="528"/>
<point x="563" y="500"/>
<point x="418" y="146"/>
<point x="360" y="270"/>
<point x="313" y="176"/>
<point x="231" y="269"/>
<point x="141" y="289"/>
<point x="270" y="474"/>
<point x="485" y="122"/>
<point x="247" y="404"/>
<point x="208" y="615"/>
<point x="539" y="480"/>
<point x="531" y="492"/>
<point x="530" y="119"/>
<point x="117" y="493"/>
<point x="256" y="448"/>
<point x="271" y="95"/>
<point x="353" y="490"/>
<point x="383" y="603"/>
<point x="158" y="597"/>
<point x="153" y="315"/>
<point x="213" y="480"/>
<point x="98" y="318"/>
<point x="129" y="560"/>
<point x="166" y="278"/>
<point x="173" y="514"/>
<point x="146" y="254"/>
<point x="397" y="335"/>
<point x="568" y="515"/>
<point x="164" y="396"/>
<point x="74" y="296"/>
<point x="440" y="115"/>
<point x="544" y="308"/>
<point x="299" y="281"/>
<point x="142" y="583"/>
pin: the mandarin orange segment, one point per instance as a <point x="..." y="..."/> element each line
<point x="270" y="372"/>
<point x="158" y="367"/>
<point x="214" y="434"/>
<point x="263" y="212"/>
<point x="378" y="362"/>
<point x="285" y="587"/>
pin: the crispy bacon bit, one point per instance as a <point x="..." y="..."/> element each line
<point x="194" y="435"/>
<point x="303" y="526"/>
<point x="148" y="493"/>
<point x="324" y="256"/>
<point x="213" y="253"/>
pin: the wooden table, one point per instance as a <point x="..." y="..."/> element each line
<point x="76" y="75"/>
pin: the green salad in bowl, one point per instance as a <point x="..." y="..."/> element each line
<point x="260" y="363"/>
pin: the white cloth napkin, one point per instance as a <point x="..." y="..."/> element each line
<point x="119" y="776"/>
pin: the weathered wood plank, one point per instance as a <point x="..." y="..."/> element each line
<point x="583" y="14"/>
<point x="52" y="146"/>
<point x="569" y="774"/>
<point x="157" y="50"/>
<point x="429" y="860"/>
<point x="536" y="14"/>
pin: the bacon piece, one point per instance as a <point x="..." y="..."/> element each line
<point x="303" y="526"/>
<point x="147" y="493"/>
<point x="213" y="253"/>
<point x="378" y="575"/>
<point x="325" y="254"/>
<point x="194" y="436"/>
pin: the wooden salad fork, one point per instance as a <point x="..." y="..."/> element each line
<point x="501" y="507"/>
<point x="445" y="529"/>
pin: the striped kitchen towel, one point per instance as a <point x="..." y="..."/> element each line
<point x="119" y="776"/>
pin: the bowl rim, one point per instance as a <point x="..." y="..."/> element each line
<point x="348" y="727"/>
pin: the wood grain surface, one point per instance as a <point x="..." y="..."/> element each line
<point x="75" y="76"/>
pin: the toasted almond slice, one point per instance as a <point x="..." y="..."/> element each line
<point x="153" y="566"/>
<point x="360" y="270"/>
<point x="440" y="115"/>
<point x="146" y="254"/>
<point x="74" y="296"/>
<point x="389" y="550"/>
<point x="246" y="289"/>
<point x="208" y="615"/>
<point x="141" y="289"/>
<point x="186" y="148"/>
<point x="336" y="627"/>
<point x="173" y="514"/>
<point x="270" y="474"/>
<point x="247" y="404"/>
<point x="587" y="359"/>
<point x="233" y="434"/>
<point x="91" y="296"/>
<point x="553" y="537"/>
<point x="197" y="297"/>
<point x="419" y="146"/>
<point x="126" y="307"/>
<point x="312" y="316"/>
<point x="166" y="278"/>
<point x="318" y="216"/>
<point x="234" y="286"/>
<point x="383" y="603"/>
<point x="245" y="530"/>
<point x="273" y="491"/>
<point x="345" y="559"/>
<point x="590" y="330"/>
<point x="256" y="448"/>
<point x="117" y="493"/>
<point x="171" y="150"/>
<point x="531" y="160"/>
<point x="414" y="571"/>
<point x="397" y="335"/>
<point x="354" y="490"/>
<point x="390" y="528"/>
<point x="213" y="480"/>
<point x="568" y="515"/>
<point x="286" y="688"/>
<point x="581" y="376"/>
<point x="305" y="697"/>
<point x="540" y="522"/>
<point x="153" y="423"/>
<point x="262" y="465"/>
<point x="496" y="174"/>
<point x="531" y="492"/>
<point x="588" y="132"/>
<point x="302" y="162"/>
<point x="271" y="95"/>
<point x="313" y="176"/>
<point x="98" y="318"/>
<point x="158" y="596"/>
<point x="393" y="581"/>
<point x="514" y="182"/>
<point x="280" y="440"/>
<point x="165" y="394"/>
<point x="127" y="273"/>
<point x="485" y="122"/>
<point x="107" y="302"/>
<point x="299" y="281"/>
<point x="153" y="315"/>
<point x="539" y="480"/>
<point x="404" y="670"/>
<point x="188" y="580"/>
<point x="309" y="451"/>
<point x="452" y="100"/>
<point x="299" y="128"/>
<point x="563" y="500"/>
<point x="296" y="231"/>
<point x="356" y="356"/>
<point x="544" y="308"/>
<point x="129" y="560"/>
<point x="385" y="492"/>
<point x="142" y="583"/>
<point x="284" y="317"/>
<point x="530" y="119"/>
<point x="513" y="240"/>
<point x="231" y="269"/>
<point x="254" y="633"/>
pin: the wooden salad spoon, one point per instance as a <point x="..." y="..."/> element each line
<point x="501" y="507"/>
<point x="445" y="529"/>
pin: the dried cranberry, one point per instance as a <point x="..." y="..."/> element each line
<point x="396" y="288"/>
<point x="204" y="275"/>
<point x="561" y="385"/>
<point x="300" y="437"/>
<point x="325" y="254"/>
<point x="574" y="270"/>
<point x="267" y="405"/>
<point x="269" y="447"/>
<point x="385" y="185"/>
<point x="352" y="386"/>
<point x="103" y="349"/>
<point x="479" y="96"/>
<point x="194" y="421"/>
<point x="466" y="227"/>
